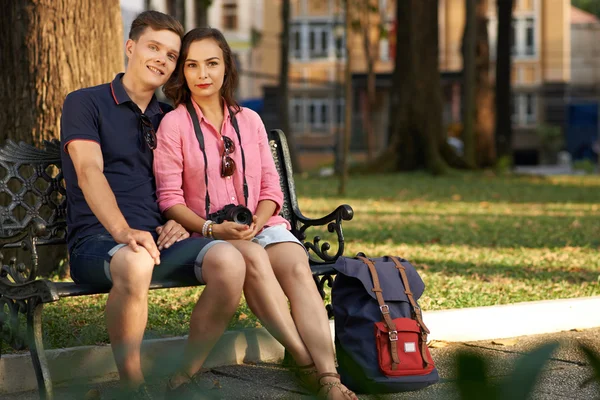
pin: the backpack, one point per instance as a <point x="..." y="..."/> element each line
<point x="380" y="337"/>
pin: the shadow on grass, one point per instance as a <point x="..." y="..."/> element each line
<point x="476" y="230"/>
<point x="471" y="187"/>
<point x="487" y="271"/>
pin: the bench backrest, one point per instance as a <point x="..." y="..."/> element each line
<point x="33" y="197"/>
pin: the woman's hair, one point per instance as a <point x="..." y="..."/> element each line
<point x="176" y="88"/>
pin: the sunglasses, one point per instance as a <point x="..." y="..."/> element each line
<point x="227" y="163"/>
<point x="148" y="130"/>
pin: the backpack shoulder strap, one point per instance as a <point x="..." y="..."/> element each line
<point x="409" y="294"/>
<point x="385" y="311"/>
<point x="418" y="314"/>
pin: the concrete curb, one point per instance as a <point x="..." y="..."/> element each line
<point x="96" y="364"/>
<point x="511" y="320"/>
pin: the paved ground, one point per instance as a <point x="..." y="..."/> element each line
<point x="562" y="378"/>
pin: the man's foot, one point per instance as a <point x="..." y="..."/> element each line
<point x="196" y="387"/>
<point x="142" y="393"/>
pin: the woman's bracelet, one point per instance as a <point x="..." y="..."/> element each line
<point x="205" y="227"/>
<point x="210" y="230"/>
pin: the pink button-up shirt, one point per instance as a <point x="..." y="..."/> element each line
<point x="179" y="164"/>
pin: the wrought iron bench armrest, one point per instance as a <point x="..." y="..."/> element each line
<point x="333" y="221"/>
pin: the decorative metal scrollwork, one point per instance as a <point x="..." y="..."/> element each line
<point x="10" y="324"/>
<point x="320" y="281"/>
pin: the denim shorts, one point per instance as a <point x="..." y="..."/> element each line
<point x="181" y="262"/>
<point x="275" y="234"/>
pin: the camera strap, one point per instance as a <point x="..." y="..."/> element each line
<point x="200" y="137"/>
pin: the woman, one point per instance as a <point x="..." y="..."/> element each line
<point x="201" y="169"/>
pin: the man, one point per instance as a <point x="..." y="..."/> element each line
<point x="116" y="235"/>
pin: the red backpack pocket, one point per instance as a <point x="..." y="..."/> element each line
<point x="409" y="347"/>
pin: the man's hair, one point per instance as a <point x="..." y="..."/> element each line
<point x="155" y="20"/>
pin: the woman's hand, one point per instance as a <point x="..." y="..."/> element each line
<point x="233" y="231"/>
<point x="170" y="233"/>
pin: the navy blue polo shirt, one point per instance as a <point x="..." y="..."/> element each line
<point x="106" y="115"/>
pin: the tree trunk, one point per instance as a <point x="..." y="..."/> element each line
<point x="347" y="100"/>
<point x="48" y="49"/>
<point x="503" y="79"/>
<point x="371" y="50"/>
<point x="284" y="79"/>
<point x="468" y="55"/>
<point x="201" y="12"/>
<point x="416" y="134"/>
<point x="484" y="93"/>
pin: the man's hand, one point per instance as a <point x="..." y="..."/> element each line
<point x="233" y="231"/>
<point x="135" y="238"/>
<point x="170" y="233"/>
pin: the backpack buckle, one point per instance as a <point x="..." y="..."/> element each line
<point x="384" y="309"/>
<point x="393" y="336"/>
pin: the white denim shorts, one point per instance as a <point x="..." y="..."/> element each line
<point x="275" y="234"/>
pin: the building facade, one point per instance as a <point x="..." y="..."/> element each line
<point x="541" y="60"/>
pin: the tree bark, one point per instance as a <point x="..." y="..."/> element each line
<point x="416" y="134"/>
<point x="484" y="93"/>
<point x="201" y="12"/>
<point x="347" y="100"/>
<point x="48" y="49"/>
<point x="371" y="50"/>
<point x="469" y="82"/>
<point x="503" y="79"/>
<point x="284" y="79"/>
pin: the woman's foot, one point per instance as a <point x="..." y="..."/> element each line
<point x="331" y="388"/>
<point x="306" y="375"/>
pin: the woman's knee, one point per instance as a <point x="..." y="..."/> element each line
<point x="258" y="265"/>
<point x="297" y="272"/>
<point x="224" y="265"/>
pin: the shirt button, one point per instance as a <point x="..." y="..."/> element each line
<point x="233" y="198"/>
<point x="229" y="177"/>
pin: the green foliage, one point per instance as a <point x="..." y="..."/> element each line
<point x="551" y="136"/>
<point x="594" y="360"/>
<point x="504" y="164"/>
<point x="591" y="6"/>
<point x="475" y="383"/>
<point x="584" y="165"/>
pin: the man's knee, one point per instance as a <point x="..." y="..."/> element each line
<point x="131" y="271"/>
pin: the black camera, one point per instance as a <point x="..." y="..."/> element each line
<point x="231" y="212"/>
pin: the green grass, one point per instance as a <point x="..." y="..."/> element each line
<point x="476" y="239"/>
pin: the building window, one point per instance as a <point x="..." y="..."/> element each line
<point x="296" y="38"/>
<point x="315" y="115"/>
<point x="523" y="40"/>
<point x="529" y="37"/>
<point x="318" y="44"/>
<point x="314" y="40"/>
<point x="230" y="22"/>
<point x="524" y="109"/>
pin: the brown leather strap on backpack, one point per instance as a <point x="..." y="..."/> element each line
<point x="413" y="303"/>
<point x="385" y="312"/>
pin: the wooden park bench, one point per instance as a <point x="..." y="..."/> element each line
<point x="33" y="209"/>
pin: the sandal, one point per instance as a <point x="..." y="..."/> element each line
<point x="326" y="387"/>
<point x="196" y="388"/>
<point x="306" y="375"/>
